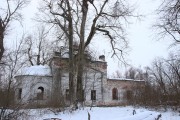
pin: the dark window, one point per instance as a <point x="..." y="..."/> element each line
<point x="83" y="97"/>
<point x="19" y="93"/>
<point x="40" y="93"/>
<point x="114" y="94"/>
<point x="93" y="94"/>
<point x="67" y="94"/>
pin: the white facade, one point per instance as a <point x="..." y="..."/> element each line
<point x="29" y="87"/>
<point x="34" y="85"/>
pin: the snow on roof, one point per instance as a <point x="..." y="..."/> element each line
<point x="125" y="79"/>
<point x="38" y="70"/>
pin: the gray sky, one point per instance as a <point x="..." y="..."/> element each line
<point x="143" y="43"/>
<point x="143" y="38"/>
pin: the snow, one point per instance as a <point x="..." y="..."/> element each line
<point x="38" y="70"/>
<point x="65" y="55"/>
<point x="124" y="79"/>
<point x="106" y="113"/>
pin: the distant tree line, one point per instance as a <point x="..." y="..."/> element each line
<point x="162" y="82"/>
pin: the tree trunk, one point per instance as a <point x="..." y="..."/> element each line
<point x="71" y="57"/>
<point x="71" y="73"/>
<point x="80" y="77"/>
<point x="1" y="41"/>
<point x="80" y="95"/>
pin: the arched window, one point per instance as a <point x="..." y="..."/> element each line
<point x="40" y="93"/>
<point x="115" y="94"/>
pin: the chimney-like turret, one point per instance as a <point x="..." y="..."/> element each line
<point x="102" y="57"/>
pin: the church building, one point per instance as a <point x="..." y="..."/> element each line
<point x="38" y="84"/>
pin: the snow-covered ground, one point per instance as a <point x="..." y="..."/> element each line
<point x="105" y="113"/>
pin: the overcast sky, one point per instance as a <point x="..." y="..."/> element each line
<point x="143" y="38"/>
<point x="144" y="46"/>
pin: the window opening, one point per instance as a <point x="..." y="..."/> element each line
<point x="115" y="94"/>
<point x="67" y="94"/>
<point x="19" y="93"/>
<point x="93" y="94"/>
<point x="40" y="93"/>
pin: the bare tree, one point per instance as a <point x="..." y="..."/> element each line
<point x="13" y="62"/>
<point x="9" y="12"/>
<point x="162" y="82"/>
<point x="168" y="22"/>
<point x="172" y="74"/>
<point x="80" y="21"/>
<point x="131" y="73"/>
<point x="158" y="72"/>
<point x="37" y="47"/>
<point x="117" y="74"/>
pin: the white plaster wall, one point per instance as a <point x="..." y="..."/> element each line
<point x="29" y="86"/>
<point x="93" y="80"/>
<point x="65" y="82"/>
